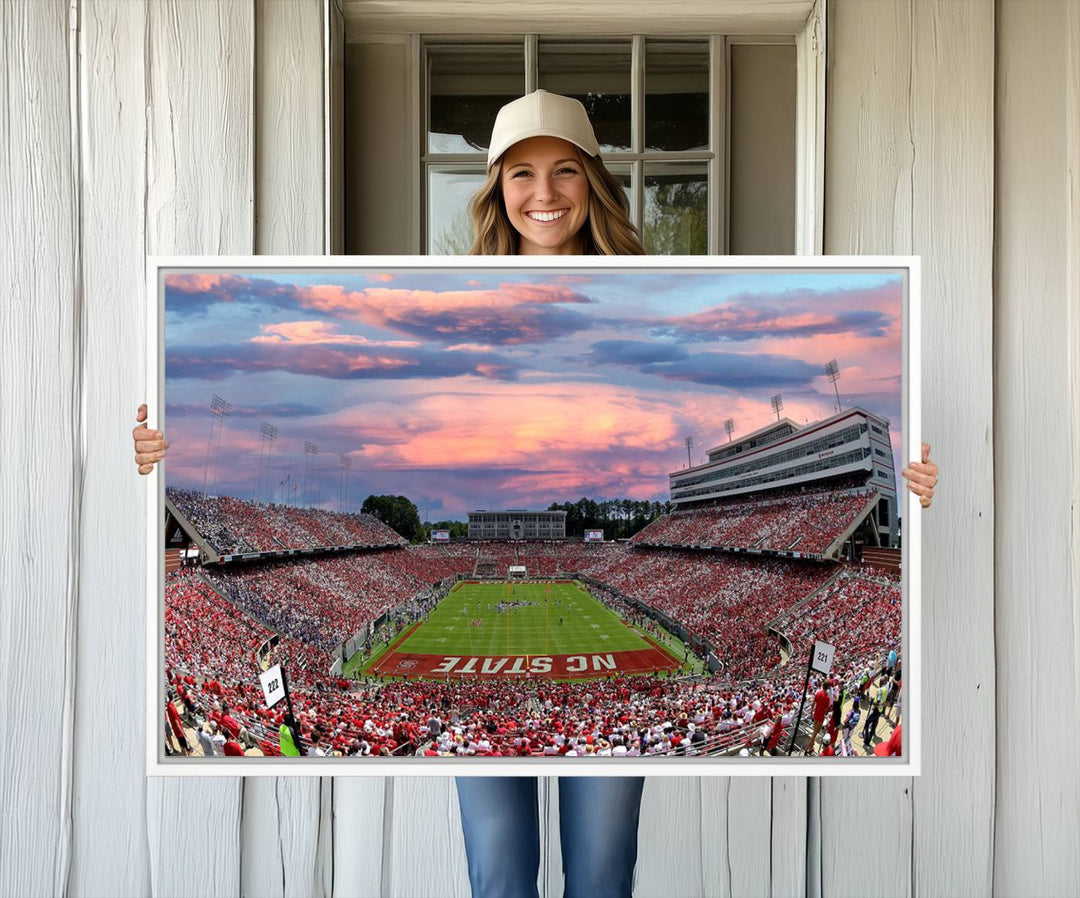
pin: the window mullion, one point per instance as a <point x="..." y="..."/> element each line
<point x="637" y="129"/>
<point x="532" y="63"/>
<point x="421" y="93"/>
<point x="717" y="184"/>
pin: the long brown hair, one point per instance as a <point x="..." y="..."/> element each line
<point x="608" y="230"/>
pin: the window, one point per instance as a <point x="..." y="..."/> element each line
<point x="658" y="106"/>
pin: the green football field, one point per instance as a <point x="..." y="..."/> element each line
<point x="541" y="619"/>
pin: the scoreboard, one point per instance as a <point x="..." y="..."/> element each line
<point x="594" y="536"/>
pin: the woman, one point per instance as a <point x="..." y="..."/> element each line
<point x="547" y="193"/>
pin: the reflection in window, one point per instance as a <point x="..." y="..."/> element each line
<point x="467" y="85"/>
<point x="449" y="191"/>
<point x="623" y="174"/>
<point x="676" y="95"/>
<point x="676" y="208"/>
<point x="598" y="75"/>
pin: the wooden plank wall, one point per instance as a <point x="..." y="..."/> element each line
<point x="40" y="430"/>
<point x="1037" y="445"/>
<point x="909" y="169"/>
<point x="127" y="131"/>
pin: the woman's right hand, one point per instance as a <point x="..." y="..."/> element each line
<point x="150" y="445"/>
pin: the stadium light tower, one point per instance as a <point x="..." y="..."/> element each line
<point x="729" y="426"/>
<point x="267" y="433"/>
<point x="310" y="449"/>
<point x="833" y="372"/>
<point x="777" y="403"/>
<point x="689" y="442"/>
<point x="219" y="411"/>
<point x="346" y="464"/>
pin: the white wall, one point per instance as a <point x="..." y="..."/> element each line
<point x="1036" y="445"/>
<point x="909" y="149"/>
<point x="126" y="130"/>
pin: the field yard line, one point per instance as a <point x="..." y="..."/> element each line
<point x="657" y="645"/>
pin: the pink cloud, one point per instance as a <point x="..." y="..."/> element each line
<point x="315" y="332"/>
<point x="520" y="423"/>
<point x="507" y="315"/>
<point x="200" y="283"/>
<point x="792" y="314"/>
<point x="380" y="305"/>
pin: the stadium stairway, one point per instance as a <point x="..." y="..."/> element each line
<point x="777" y="622"/>
<point x="833" y="550"/>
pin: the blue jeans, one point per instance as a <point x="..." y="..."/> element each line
<point x="598" y="823"/>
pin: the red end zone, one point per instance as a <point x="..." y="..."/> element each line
<point x="555" y="667"/>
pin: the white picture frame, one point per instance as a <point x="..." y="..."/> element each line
<point x="909" y="764"/>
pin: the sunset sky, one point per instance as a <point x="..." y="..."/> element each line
<point x="497" y="389"/>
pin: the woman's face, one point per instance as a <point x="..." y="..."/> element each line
<point x="546" y="195"/>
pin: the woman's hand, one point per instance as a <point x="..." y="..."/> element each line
<point x="150" y="445"/>
<point x="922" y="477"/>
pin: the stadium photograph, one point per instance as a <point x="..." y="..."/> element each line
<point x="446" y="512"/>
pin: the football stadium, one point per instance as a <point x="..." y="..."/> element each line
<point x="690" y="638"/>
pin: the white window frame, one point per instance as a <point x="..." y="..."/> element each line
<point x="809" y="42"/>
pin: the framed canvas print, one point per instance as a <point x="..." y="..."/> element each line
<point x="554" y="516"/>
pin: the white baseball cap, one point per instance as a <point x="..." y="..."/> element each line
<point x="541" y="114"/>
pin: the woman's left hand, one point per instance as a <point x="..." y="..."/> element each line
<point x="922" y="477"/>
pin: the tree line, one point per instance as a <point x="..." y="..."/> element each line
<point x="618" y="518"/>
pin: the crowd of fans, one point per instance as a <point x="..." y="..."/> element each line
<point x="307" y="607"/>
<point x="725" y="599"/>
<point x="325" y="601"/>
<point x="237" y="526"/>
<point x="859" y="612"/>
<point x="539" y="558"/>
<point x="807" y="523"/>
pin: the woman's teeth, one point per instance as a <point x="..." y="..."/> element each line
<point x="546" y="216"/>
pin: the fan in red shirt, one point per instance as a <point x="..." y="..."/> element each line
<point x="822" y="704"/>
<point x="892" y="747"/>
<point x="177" y="726"/>
<point x="776" y="735"/>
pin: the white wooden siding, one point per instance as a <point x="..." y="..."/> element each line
<point x="179" y="127"/>
<point x="909" y="150"/>
<point x="1037" y="465"/>
<point x="109" y="819"/>
<point x="41" y="438"/>
<point x="284" y="837"/>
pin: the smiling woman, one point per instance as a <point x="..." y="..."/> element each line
<point x="546" y="195"/>
<point x="547" y="190"/>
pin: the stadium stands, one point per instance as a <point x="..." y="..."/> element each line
<point x="238" y="526"/>
<point x="806" y="523"/>
<point x="312" y="605"/>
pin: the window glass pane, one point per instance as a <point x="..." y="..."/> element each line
<point x="597" y="74"/>
<point x="676" y="95"/>
<point x="467" y="84"/>
<point x="623" y="175"/>
<point x="676" y="209"/>
<point x="449" y="191"/>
